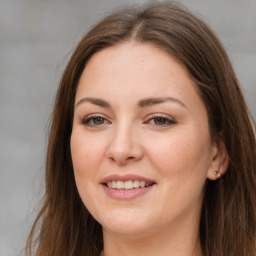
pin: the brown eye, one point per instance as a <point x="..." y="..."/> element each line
<point x="94" y="121"/>
<point x="160" y="121"/>
<point x="98" y="120"/>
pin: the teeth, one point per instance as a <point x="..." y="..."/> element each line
<point x="113" y="184"/>
<point x="120" y="184"/>
<point x="129" y="184"/>
<point x="136" y="184"/>
<point x="142" y="184"/>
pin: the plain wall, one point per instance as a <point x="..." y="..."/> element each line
<point x="36" y="39"/>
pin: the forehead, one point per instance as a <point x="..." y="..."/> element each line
<point x="131" y="56"/>
<point x="134" y="70"/>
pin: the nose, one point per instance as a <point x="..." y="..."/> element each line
<point x="124" y="146"/>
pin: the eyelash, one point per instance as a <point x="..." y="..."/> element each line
<point x="168" y="121"/>
<point x="90" y="121"/>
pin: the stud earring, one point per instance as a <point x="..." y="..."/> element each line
<point x="217" y="173"/>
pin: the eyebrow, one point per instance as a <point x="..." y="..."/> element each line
<point x="152" y="101"/>
<point x="95" y="101"/>
<point x="141" y="103"/>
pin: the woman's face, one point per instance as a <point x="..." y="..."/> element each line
<point x="140" y="144"/>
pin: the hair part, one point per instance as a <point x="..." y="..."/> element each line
<point x="227" y="226"/>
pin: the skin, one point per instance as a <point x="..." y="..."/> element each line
<point x="179" y="154"/>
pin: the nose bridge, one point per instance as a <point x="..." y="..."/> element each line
<point x="124" y="145"/>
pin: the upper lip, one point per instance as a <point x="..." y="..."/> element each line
<point x="125" y="178"/>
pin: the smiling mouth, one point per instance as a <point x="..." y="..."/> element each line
<point x="127" y="185"/>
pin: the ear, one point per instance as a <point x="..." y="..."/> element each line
<point x="219" y="161"/>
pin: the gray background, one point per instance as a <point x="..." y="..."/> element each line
<point x="36" y="38"/>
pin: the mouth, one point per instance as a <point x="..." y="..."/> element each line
<point x="127" y="185"/>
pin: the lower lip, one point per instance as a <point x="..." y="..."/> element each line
<point x="126" y="194"/>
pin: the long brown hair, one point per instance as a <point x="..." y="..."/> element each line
<point x="64" y="226"/>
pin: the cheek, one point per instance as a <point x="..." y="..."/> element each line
<point x="181" y="153"/>
<point x="182" y="161"/>
<point x="87" y="156"/>
<point x="87" y="153"/>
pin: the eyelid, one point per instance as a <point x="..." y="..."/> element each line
<point x="85" y="120"/>
<point x="94" y="115"/>
<point x="169" y="118"/>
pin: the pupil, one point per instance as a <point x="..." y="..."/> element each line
<point x="160" y="120"/>
<point x="98" y="120"/>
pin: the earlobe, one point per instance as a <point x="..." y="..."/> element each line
<point x="220" y="160"/>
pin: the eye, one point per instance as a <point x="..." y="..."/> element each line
<point x="160" y="120"/>
<point x="94" y="121"/>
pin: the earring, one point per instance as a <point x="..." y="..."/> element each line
<point x="217" y="173"/>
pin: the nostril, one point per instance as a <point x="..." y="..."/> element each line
<point x="130" y="158"/>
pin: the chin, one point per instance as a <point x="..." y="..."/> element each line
<point x="124" y="223"/>
<point x="134" y="230"/>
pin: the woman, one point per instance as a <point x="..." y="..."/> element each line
<point x="152" y="149"/>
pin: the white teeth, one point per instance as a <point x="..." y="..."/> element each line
<point x="142" y="184"/>
<point x="113" y="184"/>
<point x="120" y="184"/>
<point x="136" y="184"/>
<point x="129" y="184"/>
